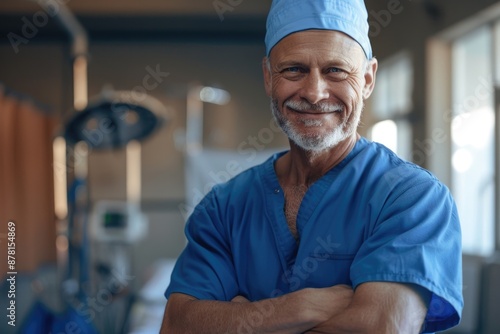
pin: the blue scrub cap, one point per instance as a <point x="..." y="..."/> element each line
<point x="289" y="16"/>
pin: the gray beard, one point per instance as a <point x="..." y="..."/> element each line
<point x="316" y="143"/>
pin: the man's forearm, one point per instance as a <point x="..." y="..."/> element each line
<point x="278" y="315"/>
<point x="361" y="321"/>
<point x="296" y="312"/>
<point x="380" y="308"/>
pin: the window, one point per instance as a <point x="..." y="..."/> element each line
<point x="392" y="105"/>
<point x="473" y="138"/>
<point x="463" y="127"/>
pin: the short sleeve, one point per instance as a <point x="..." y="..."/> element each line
<point x="417" y="240"/>
<point x="205" y="269"/>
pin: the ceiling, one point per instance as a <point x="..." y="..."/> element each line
<point x="145" y="7"/>
<point x="142" y="20"/>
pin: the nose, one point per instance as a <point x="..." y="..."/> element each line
<point x="315" y="87"/>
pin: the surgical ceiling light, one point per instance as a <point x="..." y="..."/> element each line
<point x="114" y="119"/>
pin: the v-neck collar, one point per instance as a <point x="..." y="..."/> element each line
<point x="275" y="202"/>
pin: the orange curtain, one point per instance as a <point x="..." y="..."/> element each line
<point x="26" y="184"/>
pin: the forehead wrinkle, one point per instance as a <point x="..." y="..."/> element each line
<point x="323" y="47"/>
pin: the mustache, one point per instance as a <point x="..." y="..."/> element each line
<point x="304" y="106"/>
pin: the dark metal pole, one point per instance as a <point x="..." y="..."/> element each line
<point x="497" y="167"/>
<point x="496" y="83"/>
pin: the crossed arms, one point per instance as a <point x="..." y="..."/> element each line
<point x="374" y="307"/>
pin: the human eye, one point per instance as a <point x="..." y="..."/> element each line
<point x="292" y="69"/>
<point x="335" y="70"/>
<point x="336" y="73"/>
<point x="293" y="72"/>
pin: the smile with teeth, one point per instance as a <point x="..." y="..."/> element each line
<point x="319" y="113"/>
<point x="313" y="109"/>
<point x="312" y="113"/>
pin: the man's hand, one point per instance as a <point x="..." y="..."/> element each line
<point x="323" y="304"/>
<point x="240" y="299"/>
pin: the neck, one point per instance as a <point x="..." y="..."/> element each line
<point x="301" y="167"/>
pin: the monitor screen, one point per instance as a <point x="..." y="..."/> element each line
<point x="115" y="220"/>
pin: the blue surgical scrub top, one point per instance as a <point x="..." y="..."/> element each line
<point x="373" y="217"/>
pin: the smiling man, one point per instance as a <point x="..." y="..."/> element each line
<point x="336" y="235"/>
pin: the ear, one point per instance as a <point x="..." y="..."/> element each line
<point x="267" y="76"/>
<point x="370" y="75"/>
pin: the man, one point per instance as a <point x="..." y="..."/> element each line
<point x="337" y="235"/>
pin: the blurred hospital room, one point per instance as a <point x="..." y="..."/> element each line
<point x="118" y="116"/>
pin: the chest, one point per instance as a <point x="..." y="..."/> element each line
<point x="293" y="199"/>
<point x="328" y="226"/>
